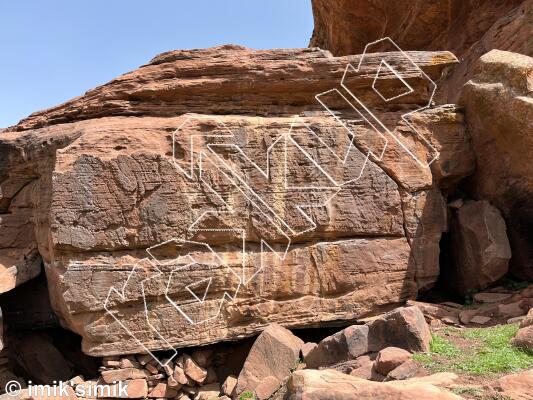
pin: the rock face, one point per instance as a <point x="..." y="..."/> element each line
<point x="467" y="28"/>
<point x="152" y="220"/>
<point x="480" y="248"/>
<point x="345" y="27"/>
<point x="497" y="98"/>
<point x="499" y="109"/>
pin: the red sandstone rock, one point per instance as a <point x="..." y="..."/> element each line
<point x="344" y="345"/>
<point x="389" y="358"/>
<point x="480" y="248"/>
<point x="467" y="28"/>
<point x="515" y="386"/>
<point x="116" y="192"/>
<point x="499" y="114"/>
<point x="228" y="387"/>
<point x="161" y="390"/>
<point x="193" y="370"/>
<point x="404" y="327"/>
<point x="272" y="357"/>
<point x="117" y="375"/>
<point x="328" y="384"/>
<point x="524" y="338"/>
<point x="528" y="321"/>
<point x="406" y="370"/>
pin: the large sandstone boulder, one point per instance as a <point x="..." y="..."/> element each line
<point x="329" y="384"/>
<point x="499" y="110"/>
<point x="480" y="248"/>
<point x="183" y="203"/>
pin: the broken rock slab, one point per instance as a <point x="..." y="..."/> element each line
<point x="270" y="361"/>
<point x="404" y="328"/>
<point x="344" y="345"/>
<point x="480" y="248"/>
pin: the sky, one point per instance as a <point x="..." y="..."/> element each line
<point x="54" y="50"/>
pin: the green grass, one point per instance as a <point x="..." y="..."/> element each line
<point x="495" y="353"/>
<point x="472" y="391"/>
<point x="486" y="351"/>
<point x="247" y="395"/>
<point x="441" y="347"/>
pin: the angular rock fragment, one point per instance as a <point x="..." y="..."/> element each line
<point x="179" y="375"/>
<point x="390" y="358"/>
<point x="193" y="370"/>
<point x="161" y="390"/>
<point x="228" y="387"/>
<point x="524" y="338"/>
<point x="347" y="344"/>
<point x="272" y="357"/>
<point x="117" y="375"/>
<point x="404" y="327"/>
<point x="208" y="392"/>
<point x="406" y="370"/>
<point x="480" y="248"/>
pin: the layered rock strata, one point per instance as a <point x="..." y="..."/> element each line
<point x="209" y="193"/>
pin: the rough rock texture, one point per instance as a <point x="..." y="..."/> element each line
<point x="515" y="386"/>
<point x="390" y="358"/>
<point x="524" y="338"/>
<point x="499" y="111"/>
<point x="103" y="178"/>
<point x="345" y="27"/>
<point x="329" y="384"/>
<point x="528" y="320"/>
<point x="467" y="28"/>
<point x="480" y="248"/>
<point x="344" y="345"/>
<point x="270" y="361"/>
<point x="404" y="327"/>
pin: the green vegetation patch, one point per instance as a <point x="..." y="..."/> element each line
<point x="247" y="395"/>
<point x="478" y="351"/>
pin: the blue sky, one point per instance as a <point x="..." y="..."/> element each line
<point x="54" y="50"/>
